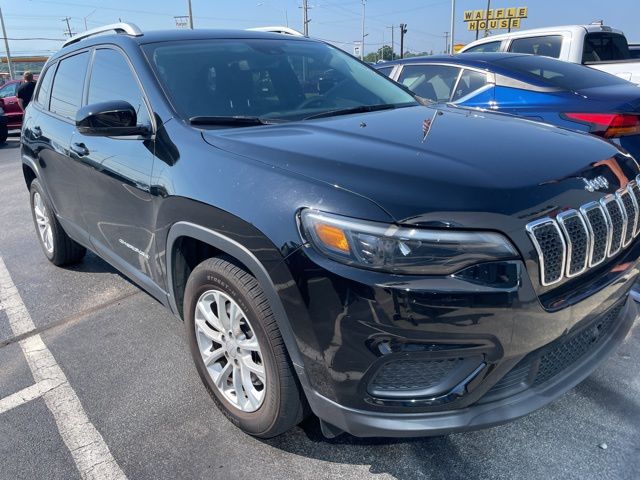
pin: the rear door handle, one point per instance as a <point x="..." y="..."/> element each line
<point x="80" y="149"/>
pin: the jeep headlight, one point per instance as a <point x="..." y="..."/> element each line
<point x="396" y="249"/>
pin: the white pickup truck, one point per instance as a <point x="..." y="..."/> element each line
<point x="595" y="45"/>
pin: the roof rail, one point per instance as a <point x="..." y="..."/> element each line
<point x="125" y="28"/>
<point x="278" y="29"/>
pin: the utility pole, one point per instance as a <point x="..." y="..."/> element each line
<point x="446" y="42"/>
<point x="66" y="19"/>
<point x="305" y="17"/>
<point x="364" y="8"/>
<point x="403" y="32"/>
<point x="486" y="30"/>
<point x="190" y="14"/>
<point x="393" y="46"/>
<point x="453" y="23"/>
<point x="6" y="46"/>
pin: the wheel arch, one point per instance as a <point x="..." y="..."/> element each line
<point x="222" y="244"/>
<point x="29" y="171"/>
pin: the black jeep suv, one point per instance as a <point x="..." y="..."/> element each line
<point x="332" y="245"/>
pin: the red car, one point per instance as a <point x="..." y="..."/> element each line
<point x="12" y="110"/>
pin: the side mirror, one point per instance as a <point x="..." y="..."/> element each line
<point x="109" y="119"/>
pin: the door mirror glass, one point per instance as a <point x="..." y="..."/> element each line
<point x="109" y="119"/>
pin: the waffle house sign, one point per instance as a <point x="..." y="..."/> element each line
<point x="495" y="18"/>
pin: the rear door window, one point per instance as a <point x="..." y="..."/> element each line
<point x="470" y="81"/>
<point x="386" y="70"/>
<point x="44" y="89"/>
<point x="546" y="46"/>
<point x="605" y="47"/>
<point x="112" y="79"/>
<point x="433" y="82"/>
<point x="66" y="93"/>
<point x="485" y="47"/>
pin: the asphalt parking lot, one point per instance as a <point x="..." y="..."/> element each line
<point x="127" y="393"/>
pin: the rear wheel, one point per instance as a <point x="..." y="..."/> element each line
<point x="238" y="349"/>
<point x="4" y="132"/>
<point x="56" y="244"/>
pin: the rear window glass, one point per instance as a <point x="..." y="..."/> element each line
<point x="568" y="76"/>
<point x="604" y="47"/>
<point x="635" y="52"/>
<point x="546" y="46"/>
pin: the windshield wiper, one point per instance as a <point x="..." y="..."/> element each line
<point x="347" y="111"/>
<point x="231" y="121"/>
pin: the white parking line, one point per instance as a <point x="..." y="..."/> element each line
<point x="88" y="449"/>
<point x="25" y="395"/>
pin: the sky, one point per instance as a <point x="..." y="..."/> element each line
<point x="37" y="26"/>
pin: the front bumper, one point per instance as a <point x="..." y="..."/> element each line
<point x="481" y="415"/>
<point x="342" y="316"/>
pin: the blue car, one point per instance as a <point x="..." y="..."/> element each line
<point x="539" y="88"/>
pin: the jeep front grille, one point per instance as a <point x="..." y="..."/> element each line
<point x="577" y="240"/>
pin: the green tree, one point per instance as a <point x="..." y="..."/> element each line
<point x="383" y="53"/>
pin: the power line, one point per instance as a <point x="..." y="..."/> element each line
<point x="16" y="39"/>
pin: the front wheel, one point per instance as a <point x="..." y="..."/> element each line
<point x="238" y="349"/>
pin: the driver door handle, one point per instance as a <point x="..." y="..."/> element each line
<point x="80" y="149"/>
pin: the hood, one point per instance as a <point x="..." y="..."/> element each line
<point x="425" y="165"/>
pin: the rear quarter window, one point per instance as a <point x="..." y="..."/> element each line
<point x="44" y="88"/>
<point x="66" y="93"/>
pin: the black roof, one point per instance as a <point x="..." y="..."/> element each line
<point x="171" y="35"/>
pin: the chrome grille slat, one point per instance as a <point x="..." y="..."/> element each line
<point x="615" y="216"/>
<point x="629" y="210"/>
<point x="551" y="247"/>
<point x="576" y="240"/>
<point x="576" y="236"/>
<point x="632" y="188"/>
<point x="599" y="232"/>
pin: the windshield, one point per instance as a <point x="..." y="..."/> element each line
<point x="274" y="79"/>
<point x="565" y="75"/>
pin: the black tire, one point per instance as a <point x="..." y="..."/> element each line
<point x="283" y="406"/>
<point x="4" y="133"/>
<point x="65" y="250"/>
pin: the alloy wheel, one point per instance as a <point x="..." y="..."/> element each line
<point x="230" y="351"/>
<point x="43" y="222"/>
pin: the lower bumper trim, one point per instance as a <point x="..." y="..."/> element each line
<point x="363" y="423"/>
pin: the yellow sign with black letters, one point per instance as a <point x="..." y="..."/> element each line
<point x="495" y="18"/>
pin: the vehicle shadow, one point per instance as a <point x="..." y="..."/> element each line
<point x="530" y="447"/>
<point x="402" y="458"/>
